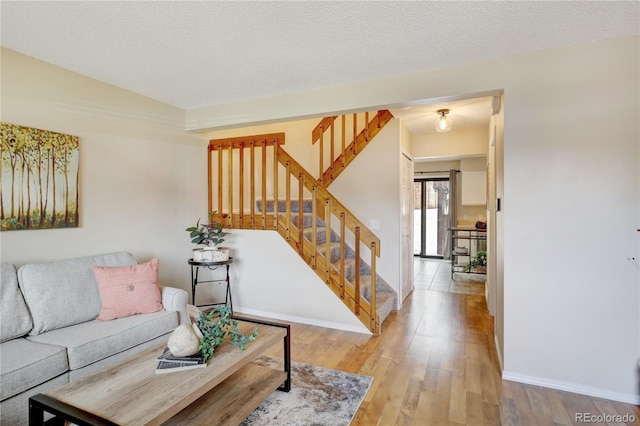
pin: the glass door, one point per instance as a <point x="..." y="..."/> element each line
<point x="430" y="216"/>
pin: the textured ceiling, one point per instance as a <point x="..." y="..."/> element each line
<point x="203" y="53"/>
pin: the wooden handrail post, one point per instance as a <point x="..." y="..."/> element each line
<point x="252" y="183"/>
<point x="344" y="137"/>
<point x="300" y="216"/>
<point x="241" y="194"/>
<point x="209" y="176"/>
<point x="331" y="151"/>
<point x="366" y="126"/>
<point x="264" y="185"/>
<point x="288" y="200"/>
<point x="374" y="280"/>
<point x="357" y="266"/>
<point x="276" y="154"/>
<point x="321" y="156"/>
<point x="327" y="239"/>
<point x="314" y="228"/>
<point x="355" y="133"/>
<point x="342" y="248"/>
<point x="230" y="166"/>
<point x="220" y="184"/>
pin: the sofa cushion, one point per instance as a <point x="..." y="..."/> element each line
<point x="94" y="340"/>
<point x="15" y="320"/>
<point x="26" y="364"/>
<point x="64" y="293"/>
<point x="128" y="290"/>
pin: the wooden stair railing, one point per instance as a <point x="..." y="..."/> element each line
<point x="362" y="135"/>
<point x="292" y="188"/>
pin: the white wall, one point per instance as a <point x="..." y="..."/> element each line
<point x="571" y="201"/>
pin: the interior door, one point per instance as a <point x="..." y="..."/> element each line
<point x="406" y="226"/>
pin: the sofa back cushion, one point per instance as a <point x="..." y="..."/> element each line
<point x="15" y="320"/>
<point x="64" y="293"/>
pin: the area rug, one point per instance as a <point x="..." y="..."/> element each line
<point x="318" y="396"/>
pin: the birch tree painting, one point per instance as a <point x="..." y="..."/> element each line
<point x="39" y="179"/>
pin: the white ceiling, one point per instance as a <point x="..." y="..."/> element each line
<point x="202" y="53"/>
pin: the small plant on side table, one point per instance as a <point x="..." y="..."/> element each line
<point x="211" y="235"/>
<point x="217" y="326"/>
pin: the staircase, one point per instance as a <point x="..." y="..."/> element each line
<point x="342" y="257"/>
<point x="246" y="175"/>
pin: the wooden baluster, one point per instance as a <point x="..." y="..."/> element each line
<point x="355" y="133"/>
<point x="252" y="183"/>
<point x="230" y="166"/>
<point x="275" y="184"/>
<point x="332" y="150"/>
<point x="321" y="156"/>
<point x="220" y="184"/>
<point x="342" y="248"/>
<point x="357" y="266"/>
<point x="314" y="226"/>
<point x="344" y="138"/>
<point x="241" y="194"/>
<point x="366" y="126"/>
<point x="210" y="177"/>
<point x="288" y="201"/>
<point x="300" y="213"/>
<point x="374" y="280"/>
<point x="327" y="237"/>
<point x="264" y="184"/>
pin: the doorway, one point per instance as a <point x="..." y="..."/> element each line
<point x="431" y="216"/>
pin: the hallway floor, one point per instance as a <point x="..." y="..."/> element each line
<point x="435" y="275"/>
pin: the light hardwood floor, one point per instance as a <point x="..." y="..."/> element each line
<point x="435" y="364"/>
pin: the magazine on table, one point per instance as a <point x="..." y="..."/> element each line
<point x="167" y="362"/>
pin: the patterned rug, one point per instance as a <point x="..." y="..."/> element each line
<point x="318" y="396"/>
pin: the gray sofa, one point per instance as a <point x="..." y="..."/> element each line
<point x="49" y="335"/>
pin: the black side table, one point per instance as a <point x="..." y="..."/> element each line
<point x="195" y="267"/>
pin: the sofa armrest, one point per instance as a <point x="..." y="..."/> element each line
<point x="175" y="299"/>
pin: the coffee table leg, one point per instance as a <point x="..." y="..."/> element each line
<point x="36" y="413"/>
<point x="287" y="361"/>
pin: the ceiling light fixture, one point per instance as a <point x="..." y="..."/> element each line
<point x="443" y="123"/>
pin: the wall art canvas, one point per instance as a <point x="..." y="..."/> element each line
<point x="39" y="179"/>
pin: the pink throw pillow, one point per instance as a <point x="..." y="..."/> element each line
<point x="128" y="290"/>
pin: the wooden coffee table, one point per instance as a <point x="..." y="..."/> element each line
<point x="131" y="393"/>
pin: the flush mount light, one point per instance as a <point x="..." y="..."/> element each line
<point x="443" y="123"/>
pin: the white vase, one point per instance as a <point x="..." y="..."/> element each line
<point x="220" y="254"/>
<point x="198" y="254"/>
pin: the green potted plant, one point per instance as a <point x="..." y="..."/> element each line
<point x="211" y="235"/>
<point x="218" y="325"/>
<point x="478" y="263"/>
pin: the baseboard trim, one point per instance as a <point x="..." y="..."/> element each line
<point x="304" y="320"/>
<point x="571" y="387"/>
<point x="499" y="352"/>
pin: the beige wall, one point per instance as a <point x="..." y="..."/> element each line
<point x="470" y="143"/>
